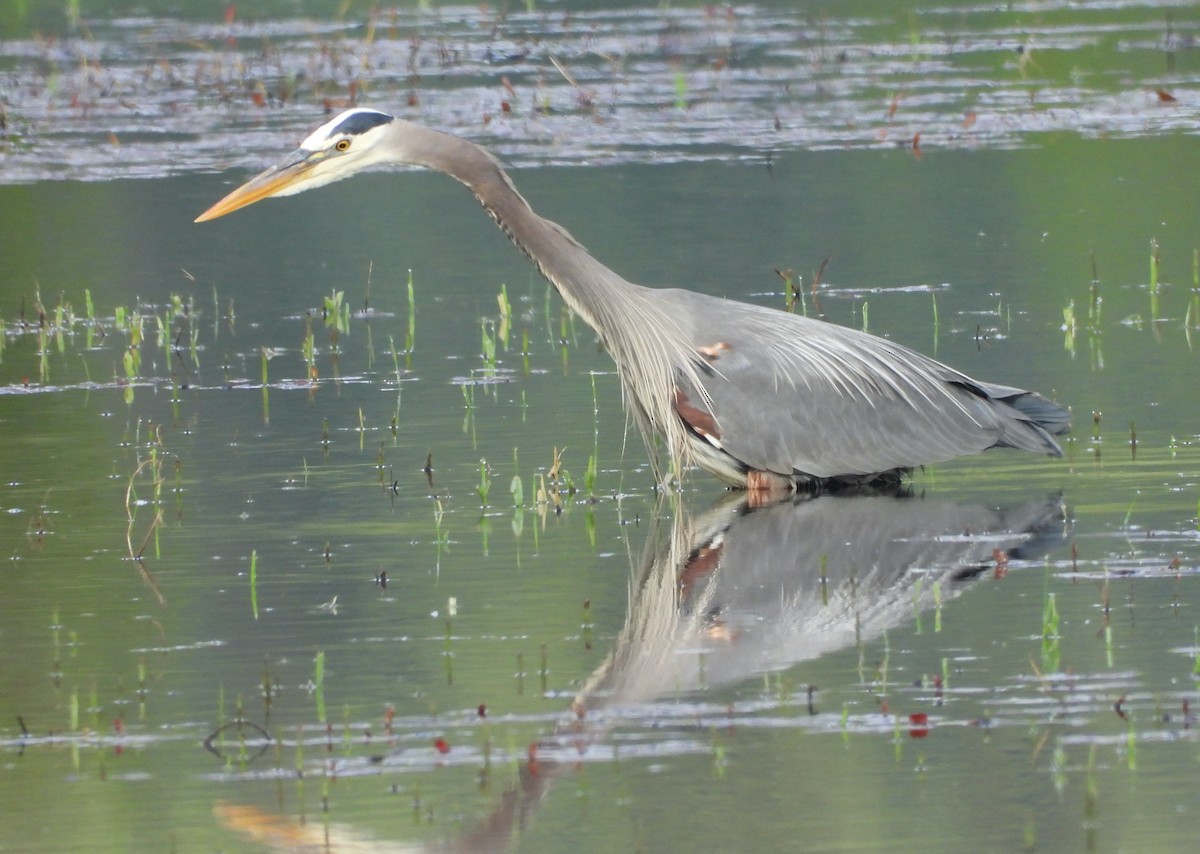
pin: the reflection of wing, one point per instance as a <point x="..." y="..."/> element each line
<point x="755" y="590"/>
<point x="793" y="394"/>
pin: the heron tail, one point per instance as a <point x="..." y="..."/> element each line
<point x="1040" y="419"/>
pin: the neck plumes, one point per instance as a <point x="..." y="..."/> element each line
<point x="643" y="339"/>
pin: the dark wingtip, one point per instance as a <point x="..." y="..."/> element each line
<point x="1039" y="421"/>
<point x="1046" y="413"/>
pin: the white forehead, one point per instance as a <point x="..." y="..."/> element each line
<point x="350" y="123"/>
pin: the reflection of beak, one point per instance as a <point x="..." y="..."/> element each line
<point x="271" y="182"/>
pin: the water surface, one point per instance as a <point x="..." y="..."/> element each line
<point x="1007" y="654"/>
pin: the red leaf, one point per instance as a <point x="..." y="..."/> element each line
<point x="920" y="725"/>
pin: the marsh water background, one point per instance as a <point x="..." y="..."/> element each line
<point x="1005" y="659"/>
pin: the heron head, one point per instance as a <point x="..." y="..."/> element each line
<point x="339" y="148"/>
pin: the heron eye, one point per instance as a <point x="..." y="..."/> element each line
<point x="342" y="145"/>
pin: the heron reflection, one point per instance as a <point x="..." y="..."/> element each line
<point x="724" y="596"/>
<point x="740" y="590"/>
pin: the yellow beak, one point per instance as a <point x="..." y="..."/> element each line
<point x="270" y="183"/>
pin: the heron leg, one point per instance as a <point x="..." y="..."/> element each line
<point x="766" y="487"/>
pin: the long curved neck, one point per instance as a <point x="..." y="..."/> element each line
<point x="635" y="324"/>
<point x="592" y="290"/>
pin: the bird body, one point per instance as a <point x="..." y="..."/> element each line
<point x="845" y="404"/>
<point x="760" y="397"/>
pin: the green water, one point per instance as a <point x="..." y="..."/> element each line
<point x="1040" y="613"/>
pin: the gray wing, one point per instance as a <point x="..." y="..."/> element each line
<point x="790" y="394"/>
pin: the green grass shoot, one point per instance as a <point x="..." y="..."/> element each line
<point x="308" y="348"/>
<point x="1155" y="269"/>
<point x="681" y="91"/>
<point x="319" y="684"/>
<point x="791" y="293"/>
<point x="43" y="352"/>
<point x="1051" y="654"/>
<point x="485" y="482"/>
<point x="336" y="312"/>
<point x="488" y="344"/>
<point x="411" y="334"/>
<point x="589" y="477"/>
<point x="1069" y="327"/>
<point x="395" y="358"/>
<point x="1095" y="301"/>
<point x="1192" y="318"/>
<point x="254" y="582"/>
<point x="468" y="393"/>
<point x="505" y="315"/>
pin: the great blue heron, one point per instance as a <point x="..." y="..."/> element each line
<point x="760" y="397"/>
